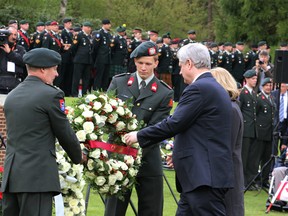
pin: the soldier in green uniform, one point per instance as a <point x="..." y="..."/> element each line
<point x="119" y="52"/>
<point x="81" y="52"/>
<point x="35" y="117"/>
<point x="101" y="54"/>
<point x="23" y="38"/>
<point x="238" y="64"/>
<point x="264" y="127"/>
<point x="35" y="39"/>
<point x="152" y="101"/>
<point x="250" y="150"/>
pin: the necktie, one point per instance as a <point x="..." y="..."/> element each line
<point x="143" y="85"/>
<point x="281" y="108"/>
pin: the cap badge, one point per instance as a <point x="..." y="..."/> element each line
<point x="151" y="51"/>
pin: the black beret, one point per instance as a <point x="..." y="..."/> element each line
<point x="61" y="27"/>
<point x="191" y="32"/>
<point x="249" y="73"/>
<point x="283" y="44"/>
<point x="146" y="48"/>
<point x="240" y="43"/>
<point x="65" y="20"/>
<point x="23" y="22"/>
<point x="262" y="43"/>
<point x="212" y="45"/>
<point x="239" y="86"/>
<point x="105" y="21"/>
<point x="120" y="29"/>
<point x="89" y="24"/>
<point x="42" y="58"/>
<point x="153" y="32"/>
<point x="228" y="44"/>
<point x="166" y="36"/>
<point x="137" y="30"/>
<point x="40" y="24"/>
<point x="265" y="81"/>
<point x="48" y="23"/>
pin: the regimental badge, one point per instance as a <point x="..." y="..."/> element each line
<point x="62" y="105"/>
<point x="151" y="51"/>
<point x="154" y="87"/>
<point x="75" y="41"/>
<point x="37" y="41"/>
<point x="130" y="81"/>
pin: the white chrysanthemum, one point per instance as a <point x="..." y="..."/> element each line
<point x="104" y="97"/>
<point x="65" y="166"/>
<point x="79" y="120"/>
<point x="76" y="210"/>
<point x="69" y="213"/>
<point x="125" y="182"/>
<point x="123" y="166"/>
<point x="81" y="135"/>
<point x="79" y="194"/>
<point x="108" y="108"/>
<point x="88" y="127"/>
<point x="168" y="146"/>
<point x="120" y="126"/>
<point x="112" y="118"/>
<point x="116" y="189"/>
<point x="114" y="164"/>
<point x="87" y="114"/>
<point x="90" y="175"/>
<point x="132" y="172"/>
<point x="101" y="166"/>
<point x="129" y="159"/>
<point x="112" y="179"/>
<point x="93" y="136"/>
<point x="119" y="175"/>
<point x="90" y="98"/>
<point x="120" y="110"/>
<point x="90" y="164"/>
<point x="113" y="102"/>
<point x="131" y="126"/>
<point x="95" y="153"/>
<point x="104" y="189"/>
<point x="83" y="107"/>
<point x="103" y="118"/>
<point x="104" y="153"/>
<point x="128" y="113"/>
<point x="100" y="180"/>
<point x="97" y="105"/>
<point x="73" y="203"/>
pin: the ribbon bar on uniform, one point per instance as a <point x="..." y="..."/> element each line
<point x="127" y="150"/>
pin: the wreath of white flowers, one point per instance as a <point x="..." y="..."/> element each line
<point x="100" y="118"/>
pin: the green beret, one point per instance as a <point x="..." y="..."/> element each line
<point x="240" y="43"/>
<point x="120" y="29"/>
<point x="106" y="21"/>
<point x="23" y="22"/>
<point x="228" y="44"/>
<point x="146" y="48"/>
<point x="191" y="32"/>
<point x="166" y="36"/>
<point x="265" y="81"/>
<point x="48" y="23"/>
<point x="249" y="73"/>
<point x="40" y="24"/>
<point x="89" y="24"/>
<point x="65" y="20"/>
<point x="261" y="43"/>
<point x="42" y="58"/>
<point x="212" y="45"/>
<point x="239" y="86"/>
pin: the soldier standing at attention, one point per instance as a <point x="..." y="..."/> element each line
<point x="137" y="40"/>
<point x="153" y="36"/>
<point x="119" y="53"/>
<point x="101" y="54"/>
<point x="152" y="101"/>
<point x="250" y="150"/>
<point x="225" y="59"/>
<point x="191" y="37"/>
<point x="51" y="40"/>
<point x="213" y="50"/>
<point x="238" y="64"/>
<point x="35" y="40"/>
<point x="81" y="51"/>
<point x="23" y="38"/>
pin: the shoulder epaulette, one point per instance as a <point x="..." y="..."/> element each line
<point x="123" y="74"/>
<point x="165" y="84"/>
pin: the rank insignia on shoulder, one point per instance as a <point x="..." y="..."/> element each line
<point x="62" y="105"/>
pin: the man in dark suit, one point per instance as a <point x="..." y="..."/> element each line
<point x="81" y="51"/>
<point x="101" y="53"/>
<point x="31" y="177"/>
<point x="202" y="157"/>
<point x="153" y="101"/>
<point x="248" y="99"/>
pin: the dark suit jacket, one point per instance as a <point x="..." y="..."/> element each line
<point x="201" y="124"/>
<point x="35" y="117"/>
<point x="81" y="49"/>
<point x="151" y="107"/>
<point x="248" y="109"/>
<point x="67" y="38"/>
<point x="101" y="51"/>
<point x="238" y="66"/>
<point x="119" y="51"/>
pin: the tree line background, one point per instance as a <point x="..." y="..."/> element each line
<point x="214" y="20"/>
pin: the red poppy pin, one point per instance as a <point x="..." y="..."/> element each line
<point x="130" y="81"/>
<point x="246" y="92"/>
<point x="154" y="87"/>
<point x="62" y="105"/>
<point x="263" y="98"/>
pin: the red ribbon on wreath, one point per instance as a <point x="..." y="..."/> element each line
<point x="127" y="150"/>
<point x="1" y="171"/>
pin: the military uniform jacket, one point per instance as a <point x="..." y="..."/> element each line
<point x="101" y="50"/>
<point x="35" y="116"/>
<point x="35" y="40"/>
<point x="24" y="40"/>
<point x="225" y="61"/>
<point x="248" y="109"/>
<point x="152" y="106"/>
<point x="52" y="41"/>
<point x="250" y="60"/>
<point x="238" y="66"/>
<point x="67" y="38"/>
<point x="214" y="58"/>
<point x="265" y="117"/>
<point x="187" y="41"/>
<point x="119" y="51"/>
<point x="132" y="46"/>
<point x="165" y="59"/>
<point x="81" y="49"/>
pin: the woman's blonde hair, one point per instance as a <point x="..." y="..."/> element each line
<point x="224" y="78"/>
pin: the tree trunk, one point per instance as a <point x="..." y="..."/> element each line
<point x="63" y="7"/>
<point x="210" y="19"/>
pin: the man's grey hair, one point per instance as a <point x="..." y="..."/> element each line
<point x="197" y="53"/>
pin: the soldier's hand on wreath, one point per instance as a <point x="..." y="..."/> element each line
<point x="131" y="138"/>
